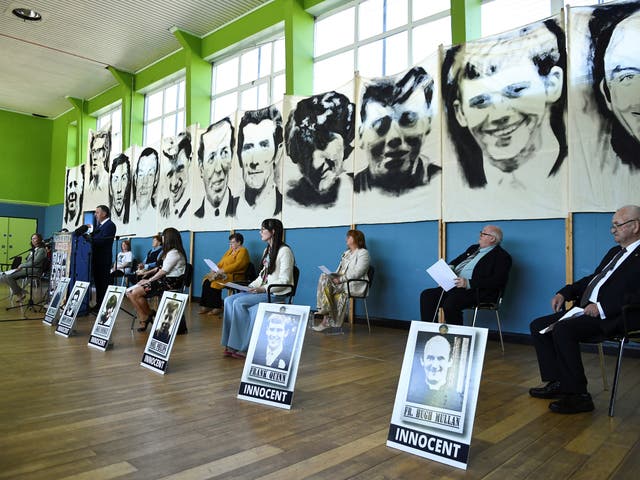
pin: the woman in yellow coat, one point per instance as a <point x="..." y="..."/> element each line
<point x="231" y="267"/>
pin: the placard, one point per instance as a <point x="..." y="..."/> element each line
<point x="70" y="311"/>
<point x="106" y="319"/>
<point x="438" y="391"/>
<point x="164" y="331"/>
<point x="56" y="300"/>
<point x="271" y="367"/>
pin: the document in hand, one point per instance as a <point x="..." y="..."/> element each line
<point x="235" y="286"/>
<point x="211" y="265"/>
<point x="324" y="269"/>
<point x="442" y="274"/>
<point x="574" y="312"/>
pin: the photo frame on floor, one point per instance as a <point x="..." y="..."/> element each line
<point x="271" y="367"/>
<point x="164" y="330"/>
<point x="70" y="310"/>
<point x="106" y="319"/>
<point x="437" y="392"/>
<point x="56" y="300"/>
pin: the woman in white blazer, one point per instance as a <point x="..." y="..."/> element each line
<point x="332" y="288"/>
<point x="240" y="309"/>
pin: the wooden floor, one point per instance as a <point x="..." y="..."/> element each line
<point x="69" y="411"/>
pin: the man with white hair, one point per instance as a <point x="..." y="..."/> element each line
<point x="482" y="271"/>
<point x="600" y="297"/>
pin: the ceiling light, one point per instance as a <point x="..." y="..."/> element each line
<point x="27" y="14"/>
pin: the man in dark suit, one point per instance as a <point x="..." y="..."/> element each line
<point x="101" y="251"/>
<point x="483" y="269"/>
<point x="602" y="295"/>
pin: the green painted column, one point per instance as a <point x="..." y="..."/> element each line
<point x="198" y="79"/>
<point x="298" y="34"/>
<point x="132" y="109"/>
<point x="84" y="122"/>
<point x="465" y="20"/>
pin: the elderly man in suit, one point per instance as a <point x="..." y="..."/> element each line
<point x="600" y="297"/>
<point x="483" y="269"/>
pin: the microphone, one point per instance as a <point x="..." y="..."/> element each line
<point x="81" y="230"/>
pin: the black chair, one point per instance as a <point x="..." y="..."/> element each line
<point x="631" y="322"/>
<point x="292" y="293"/>
<point x="249" y="276"/>
<point x="493" y="306"/>
<point x="363" y="296"/>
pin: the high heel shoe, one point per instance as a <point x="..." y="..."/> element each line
<point x="146" y="322"/>
<point x="326" y="323"/>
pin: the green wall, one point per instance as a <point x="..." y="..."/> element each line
<point x="25" y="158"/>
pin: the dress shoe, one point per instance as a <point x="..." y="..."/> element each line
<point x="215" y="312"/>
<point x="240" y="355"/>
<point x="550" y="390"/>
<point x="228" y="352"/>
<point x="204" y="310"/>
<point x="573" y="403"/>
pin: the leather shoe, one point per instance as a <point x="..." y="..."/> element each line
<point x="550" y="390"/>
<point x="573" y="403"/>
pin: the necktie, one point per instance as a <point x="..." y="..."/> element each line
<point x="584" y="300"/>
<point x="458" y="268"/>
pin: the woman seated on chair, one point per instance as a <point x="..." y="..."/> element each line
<point x="169" y="275"/>
<point x="231" y="268"/>
<point x="240" y="309"/>
<point x="332" y="292"/>
<point x="124" y="261"/>
<point x="31" y="266"/>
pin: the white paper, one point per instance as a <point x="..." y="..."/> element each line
<point x="324" y="269"/>
<point x="211" y="264"/>
<point x="443" y="275"/>
<point x="9" y="272"/>
<point x="235" y="286"/>
<point x="574" y="312"/>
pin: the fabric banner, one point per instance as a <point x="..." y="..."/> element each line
<point x="73" y="197"/>
<point x="604" y="100"/>
<point x="96" y="175"/>
<point x="505" y="145"/>
<point x="397" y="157"/>
<point x="319" y="137"/>
<point x="145" y="194"/>
<point x="256" y="171"/>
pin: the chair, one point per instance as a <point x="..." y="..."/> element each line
<point x="292" y="293"/>
<point x="249" y="275"/>
<point x="492" y="306"/>
<point x="631" y="322"/>
<point x="370" y="273"/>
<point x="186" y="283"/>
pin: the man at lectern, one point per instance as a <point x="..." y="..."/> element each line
<point x="101" y="247"/>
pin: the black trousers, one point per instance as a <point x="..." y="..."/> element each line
<point x="101" y="274"/>
<point x="558" y="351"/>
<point x="452" y="303"/>
<point x="211" y="297"/>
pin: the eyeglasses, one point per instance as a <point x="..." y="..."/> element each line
<point x="483" y="234"/>
<point x="616" y="226"/>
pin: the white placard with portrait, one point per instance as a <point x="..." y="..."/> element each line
<point x="56" y="300"/>
<point x="271" y="367"/>
<point x="106" y="319"/>
<point x="437" y="392"/>
<point x="164" y="331"/>
<point x="70" y="311"/>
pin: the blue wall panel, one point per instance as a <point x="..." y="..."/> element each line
<point x="538" y="252"/>
<point x="591" y="240"/>
<point x="52" y="219"/>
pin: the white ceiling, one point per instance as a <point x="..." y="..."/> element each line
<point x="66" y="53"/>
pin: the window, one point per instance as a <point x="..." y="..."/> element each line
<point x="164" y="112"/>
<point x="377" y="38"/>
<point x="112" y="118"/>
<point x="252" y="79"/>
<point x="502" y="15"/>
